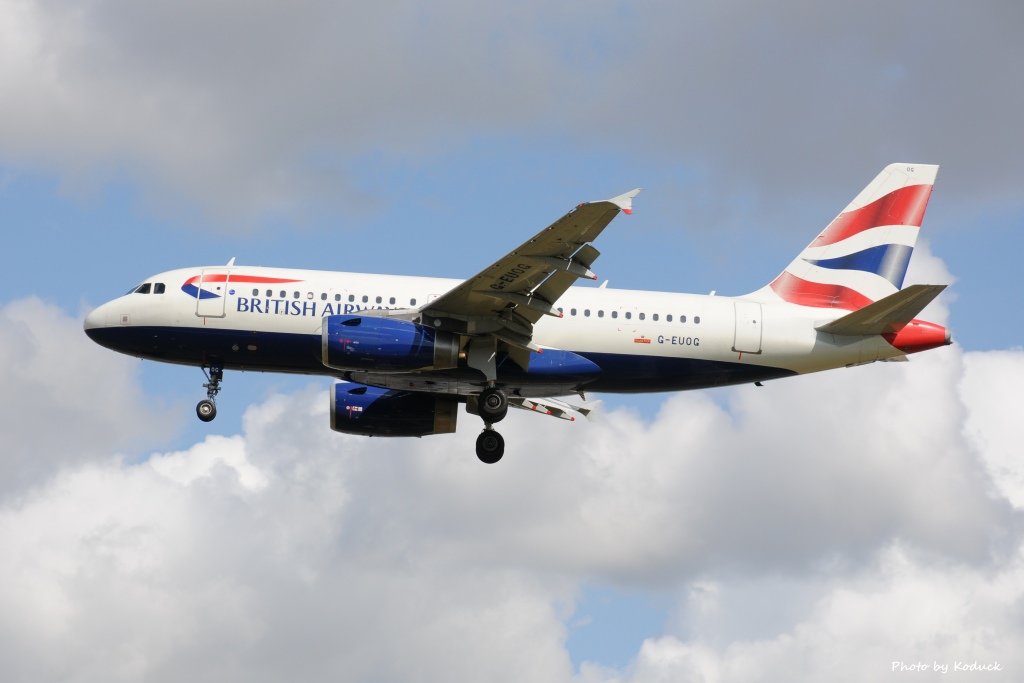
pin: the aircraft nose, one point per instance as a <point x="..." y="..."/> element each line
<point x="92" y="320"/>
<point x="95" y="320"/>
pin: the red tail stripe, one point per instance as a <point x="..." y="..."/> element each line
<point x="799" y="291"/>
<point x="904" y="206"/>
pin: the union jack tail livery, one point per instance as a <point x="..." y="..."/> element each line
<point x="862" y="256"/>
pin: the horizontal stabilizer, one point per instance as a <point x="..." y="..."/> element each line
<point x="887" y="315"/>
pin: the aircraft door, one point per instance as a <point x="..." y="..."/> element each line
<point x="212" y="294"/>
<point x="748" y="327"/>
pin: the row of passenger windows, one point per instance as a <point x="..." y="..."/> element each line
<point x="628" y="315"/>
<point x="337" y="297"/>
<point x="149" y="288"/>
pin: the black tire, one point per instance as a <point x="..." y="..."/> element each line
<point x="493" y="405"/>
<point x="206" y="410"/>
<point x="490" y="446"/>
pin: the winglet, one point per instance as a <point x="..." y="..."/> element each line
<point x="625" y="201"/>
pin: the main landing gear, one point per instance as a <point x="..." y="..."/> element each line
<point x="493" y="406"/>
<point x="207" y="408"/>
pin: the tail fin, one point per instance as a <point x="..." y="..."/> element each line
<point x="862" y="255"/>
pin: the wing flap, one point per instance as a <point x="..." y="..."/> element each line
<point x="549" y="406"/>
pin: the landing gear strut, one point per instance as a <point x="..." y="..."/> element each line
<point x="207" y="408"/>
<point x="493" y="406"/>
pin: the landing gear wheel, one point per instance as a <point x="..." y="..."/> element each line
<point x="490" y="446"/>
<point x="493" y="405"/>
<point x="206" y="410"/>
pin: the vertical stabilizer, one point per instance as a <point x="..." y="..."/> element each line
<point x="862" y="255"/>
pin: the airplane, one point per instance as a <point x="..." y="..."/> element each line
<point x="407" y="352"/>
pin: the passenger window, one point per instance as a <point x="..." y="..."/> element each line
<point x="668" y="317"/>
<point x="641" y="316"/>
<point x="337" y="297"/>
<point x="309" y="295"/>
<point x="600" y="314"/>
<point x="365" y="298"/>
<point x="615" y="314"/>
<point x="379" y="299"/>
<point x="144" y="288"/>
<point x="682" y="318"/>
<point x="572" y="311"/>
<point x="351" y="297"/>
<point x="412" y="302"/>
<point x="158" y="288"/>
<point x="391" y="301"/>
<point x="283" y="294"/>
<point x="654" y="317"/>
<point x="629" y="315"/>
<point x="586" y="312"/>
<point x="255" y="292"/>
<point x="323" y="296"/>
<point x="696" y="320"/>
<point x="296" y="294"/>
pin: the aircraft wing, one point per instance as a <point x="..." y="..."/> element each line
<point x="507" y="297"/>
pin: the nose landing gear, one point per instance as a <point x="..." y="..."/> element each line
<point x="206" y="409"/>
<point x="493" y="406"/>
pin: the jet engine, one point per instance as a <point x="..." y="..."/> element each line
<point x="359" y="342"/>
<point x="373" y="411"/>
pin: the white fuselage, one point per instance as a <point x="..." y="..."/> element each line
<point x="259" y="318"/>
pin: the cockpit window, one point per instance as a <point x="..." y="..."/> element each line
<point x="158" y="288"/>
<point x="144" y="288"/>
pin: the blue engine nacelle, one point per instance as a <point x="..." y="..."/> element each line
<point x="360" y="342"/>
<point x="372" y="411"/>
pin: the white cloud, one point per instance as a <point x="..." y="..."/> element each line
<point x="202" y="565"/>
<point x="65" y="400"/>
<point x="816" y="527"/>
<point x="258" y="108"/>
<point x="928" y="269"/>
<point x="901" y="612"/>
<point x="992" y="426"/>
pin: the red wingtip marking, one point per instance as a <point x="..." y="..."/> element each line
<point x="572" y="418"/>
<point x="627" y="211"/>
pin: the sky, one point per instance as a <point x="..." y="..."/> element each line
<point x="848" y="526"/>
